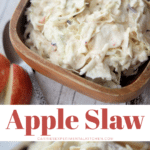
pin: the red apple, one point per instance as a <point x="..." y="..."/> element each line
<point x="4" y="71"/>
<point x="19" y="87"/>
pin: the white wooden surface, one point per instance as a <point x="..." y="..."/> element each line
<point x="54" y="92"/>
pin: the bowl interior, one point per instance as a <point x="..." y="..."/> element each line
<point x="125" y="81"/>
<point x="132" y="86"/>
<point x="129" y="80"/>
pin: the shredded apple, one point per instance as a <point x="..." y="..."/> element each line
<point x="77" y="146"/>
<point x="97" y="39"/>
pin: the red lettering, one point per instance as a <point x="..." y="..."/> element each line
<point x="135" y="121"/>
<point x="68" y="122"/>
<point x="92" y="119"/>
<point x="16" y="120"/>
<point x="60" y="118"/>
<point x="29" y="124"/>
<point x="117" y="124"/>
<point x="44" y="124"/>
<point x="104" y="119"/>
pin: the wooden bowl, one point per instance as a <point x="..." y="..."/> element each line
<point x="66" y="77"/>
<point x="134" y="145"/>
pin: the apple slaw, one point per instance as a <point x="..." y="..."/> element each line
<point x="98" y="39"/>
<point x="77" y="146"/>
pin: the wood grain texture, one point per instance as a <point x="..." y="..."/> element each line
<point x="54" y="92"/>
<point x="66" y="96"/>
<point x="51" y="89"/>
<point x="81" y="99"/>
<point x="5" y="16"/>
<point x="66" y="77"/>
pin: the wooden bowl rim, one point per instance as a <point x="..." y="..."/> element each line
<point x="129" y="89"/>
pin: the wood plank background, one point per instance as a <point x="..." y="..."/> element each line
<point x="54" y="92"/>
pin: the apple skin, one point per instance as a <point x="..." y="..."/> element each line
<point x="4" y="71"/>
<point x="21" y="91"/>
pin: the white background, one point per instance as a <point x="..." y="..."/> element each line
<point x="79" y="111"/>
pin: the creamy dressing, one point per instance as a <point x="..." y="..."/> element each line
<point x="77" y="146"/>
<point x="96" y="38"/>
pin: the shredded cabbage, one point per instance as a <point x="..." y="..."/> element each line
<point x="96" y="38"/>
<point x="77" y="146"/>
